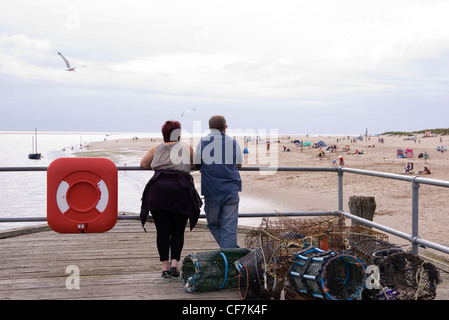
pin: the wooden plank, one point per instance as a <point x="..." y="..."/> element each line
<point x="120" y="264"/>
<point x="144" y="285"/>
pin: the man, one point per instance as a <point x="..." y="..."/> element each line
<point x="220" y="157"/>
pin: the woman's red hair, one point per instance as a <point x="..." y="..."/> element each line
<point x="168" y="131"/>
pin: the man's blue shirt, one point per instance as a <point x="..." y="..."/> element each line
<point x="219" y="156"/>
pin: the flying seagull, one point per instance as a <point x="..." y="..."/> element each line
<point x="69" y="68"/>
<point x="193" y="109"/>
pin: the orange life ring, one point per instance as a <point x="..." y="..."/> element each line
<point x="82" y="195"/>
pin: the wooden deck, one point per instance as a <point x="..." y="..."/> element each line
<point x="120" y="264"/>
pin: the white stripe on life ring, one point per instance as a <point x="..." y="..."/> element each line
<point x="104" y="196"/>
<point x="61" y="196"/>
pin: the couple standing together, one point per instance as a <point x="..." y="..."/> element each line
<point x="172" y="199"/>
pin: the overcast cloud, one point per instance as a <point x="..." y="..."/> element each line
<point x="296" y="66"/>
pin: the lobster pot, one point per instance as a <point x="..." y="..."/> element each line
<point x="291" y="232"/>
<point x="372" y="251"/>
<point x="211" y="270"/>
<point x="327" y="274"/>
<point x="252" y="276"/>
<point x="405" y="276"/>
<point x="379" y="255"/>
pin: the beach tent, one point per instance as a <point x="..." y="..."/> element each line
<point x="405" y="153"/>
<point x="306" y="144"/>
<point x="321" y="144"/>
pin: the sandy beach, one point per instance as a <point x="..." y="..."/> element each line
<point x="317" y="191"/>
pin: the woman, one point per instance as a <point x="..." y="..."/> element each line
<point x="170" y="195"/>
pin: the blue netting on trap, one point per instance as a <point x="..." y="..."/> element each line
<point x="327" y="274"/>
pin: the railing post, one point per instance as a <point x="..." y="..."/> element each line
<point x="340" y="189"/>
<point x="415" y="211"/>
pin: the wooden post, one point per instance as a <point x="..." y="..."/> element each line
<point x="362" y="207"/>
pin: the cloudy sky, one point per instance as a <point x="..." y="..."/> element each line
<point x="319" y="66"/>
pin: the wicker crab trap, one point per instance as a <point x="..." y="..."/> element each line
<point x="321" y="258"/>
<point x="290" y="232"/>
<point x="264" y="271"/>
<point x="327" y="274"/>
<point x="407" y="277"/>
<point x="252" y="278"/>
<point x="211" y="270"/>
<point x="402" y="276"/>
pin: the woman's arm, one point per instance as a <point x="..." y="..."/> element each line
<point x="148" y="158"/>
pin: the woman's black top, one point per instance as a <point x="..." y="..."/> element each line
<point x="171" y="190"/>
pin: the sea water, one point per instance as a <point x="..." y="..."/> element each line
<point x="24" y="193"/>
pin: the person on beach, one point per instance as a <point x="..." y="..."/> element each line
<point x="219" y="157"/>
<point x="408" y="167"/>
<point x="425" y="171"/>
<point x="170" y="195"/>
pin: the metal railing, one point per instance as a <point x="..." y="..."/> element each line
<point x="415" y="181"/>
